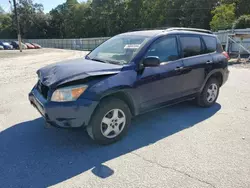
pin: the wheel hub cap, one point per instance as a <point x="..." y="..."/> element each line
<point x="212" y="93"/>
<point x="113" y="123"/>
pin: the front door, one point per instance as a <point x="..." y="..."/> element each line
<point x="157" y="85"/>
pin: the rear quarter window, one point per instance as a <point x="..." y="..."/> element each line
<point x="211" y="43"/>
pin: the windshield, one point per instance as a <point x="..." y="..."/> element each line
<point x="118" y="50"/>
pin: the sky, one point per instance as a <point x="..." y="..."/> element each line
<point x="48" y="4"/>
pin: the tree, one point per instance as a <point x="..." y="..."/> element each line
<point x="6" y="28"/>
<point x="100" y="18"/>
<point x="241" y="6"/>
<point x="61" y="22"/>
<point x="108" y="16"/>
<point x="196" y="13"/>
<point x="71" y="2"/>
<point x="33" y="22"/>
<point x="223" y="17"/>
<point x="242" y="22"/>
<point x="57" y="22"/>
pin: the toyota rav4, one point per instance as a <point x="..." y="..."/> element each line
<point x="130" y="74"/>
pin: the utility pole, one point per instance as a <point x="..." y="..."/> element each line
<point x="11" y="10"/>
<point x="18" y="27"/>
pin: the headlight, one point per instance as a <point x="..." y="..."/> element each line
<point x="66" y="94"/>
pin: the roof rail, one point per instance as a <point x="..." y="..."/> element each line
<point x="145" y="29"/>
<point x="189" y="29"/>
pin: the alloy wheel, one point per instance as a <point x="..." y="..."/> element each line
<point x="113" y="123"/>
<point x="212" y="93"/>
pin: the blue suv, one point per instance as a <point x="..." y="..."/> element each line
<point x="130" y="74"/>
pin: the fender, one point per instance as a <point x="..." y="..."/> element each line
<point x="209" y="76"/>
<point x="124" y="93"/>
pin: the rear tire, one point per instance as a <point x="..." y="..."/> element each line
<point x="110" y="121"/>
<point x="209" y="94"/>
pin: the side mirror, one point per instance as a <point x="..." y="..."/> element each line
<point x="151" y="61"/>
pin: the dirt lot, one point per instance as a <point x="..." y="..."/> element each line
<point x="180" y="146"/>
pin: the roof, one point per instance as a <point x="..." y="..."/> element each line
<point x="176" y="30"/>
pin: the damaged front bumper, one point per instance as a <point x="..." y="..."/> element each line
<point x="63" y="114"/>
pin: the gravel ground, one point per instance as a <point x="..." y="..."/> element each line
<point x="242" y="65"/>
<point x="179" y="146"/>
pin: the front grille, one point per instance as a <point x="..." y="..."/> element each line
<point x="43" y="89"/>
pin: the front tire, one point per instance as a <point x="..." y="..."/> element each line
<point x="209" y="94"/>
<point x="110" y="121"/>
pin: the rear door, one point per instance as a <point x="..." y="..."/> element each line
<point x="214" y="48"/>
<point x="195" y="61"/>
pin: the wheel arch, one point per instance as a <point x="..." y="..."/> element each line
<point x="125" y="97"/>
<point x="214" y="74"/>
<point x="218" y="76"/>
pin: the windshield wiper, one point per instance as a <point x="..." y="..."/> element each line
<point x="99" y="60"/>
<point x="115" y="62"/>
<point x="107" y="61"/>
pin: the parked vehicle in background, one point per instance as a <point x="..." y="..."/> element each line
<point x="130" y="74"/>
<point x="1" y="47"/>
<point x="6" y="45"/>
<point x="15" y="44"/>
<point x="37" y="46"/>
<point x="24" y="46"/>
<point x="29" y="46"/>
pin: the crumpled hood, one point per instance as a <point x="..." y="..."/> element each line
<point x="71" y="70"/>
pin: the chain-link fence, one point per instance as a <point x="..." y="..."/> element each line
<point x="74" y="44"/>
<point x="91" y="43"/>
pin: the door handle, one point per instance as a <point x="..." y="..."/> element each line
<point x="209" y="62"/>
<point x="179" y="68"/>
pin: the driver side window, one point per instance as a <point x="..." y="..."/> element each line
<point x="165" y="49"/>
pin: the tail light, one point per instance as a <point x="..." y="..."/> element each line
<point x="226" y="55"/>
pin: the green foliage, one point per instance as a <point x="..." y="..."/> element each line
<point x="58" y="22"/>
<point x="241" y="6"/>
<point x="100" y="18"/>
<point x="197" y="13"/>
<point x="242" y="22"/>
<point x="33" y="22"/>
<point x="6" y="29"/>
<point x="71" y="2"/>
<point x="223" y="17"/>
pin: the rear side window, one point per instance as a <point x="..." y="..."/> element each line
<point x="211" y="43"/>
<point x="191" y="46"/>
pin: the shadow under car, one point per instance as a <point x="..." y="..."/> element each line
<point x="33" y="156"/>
